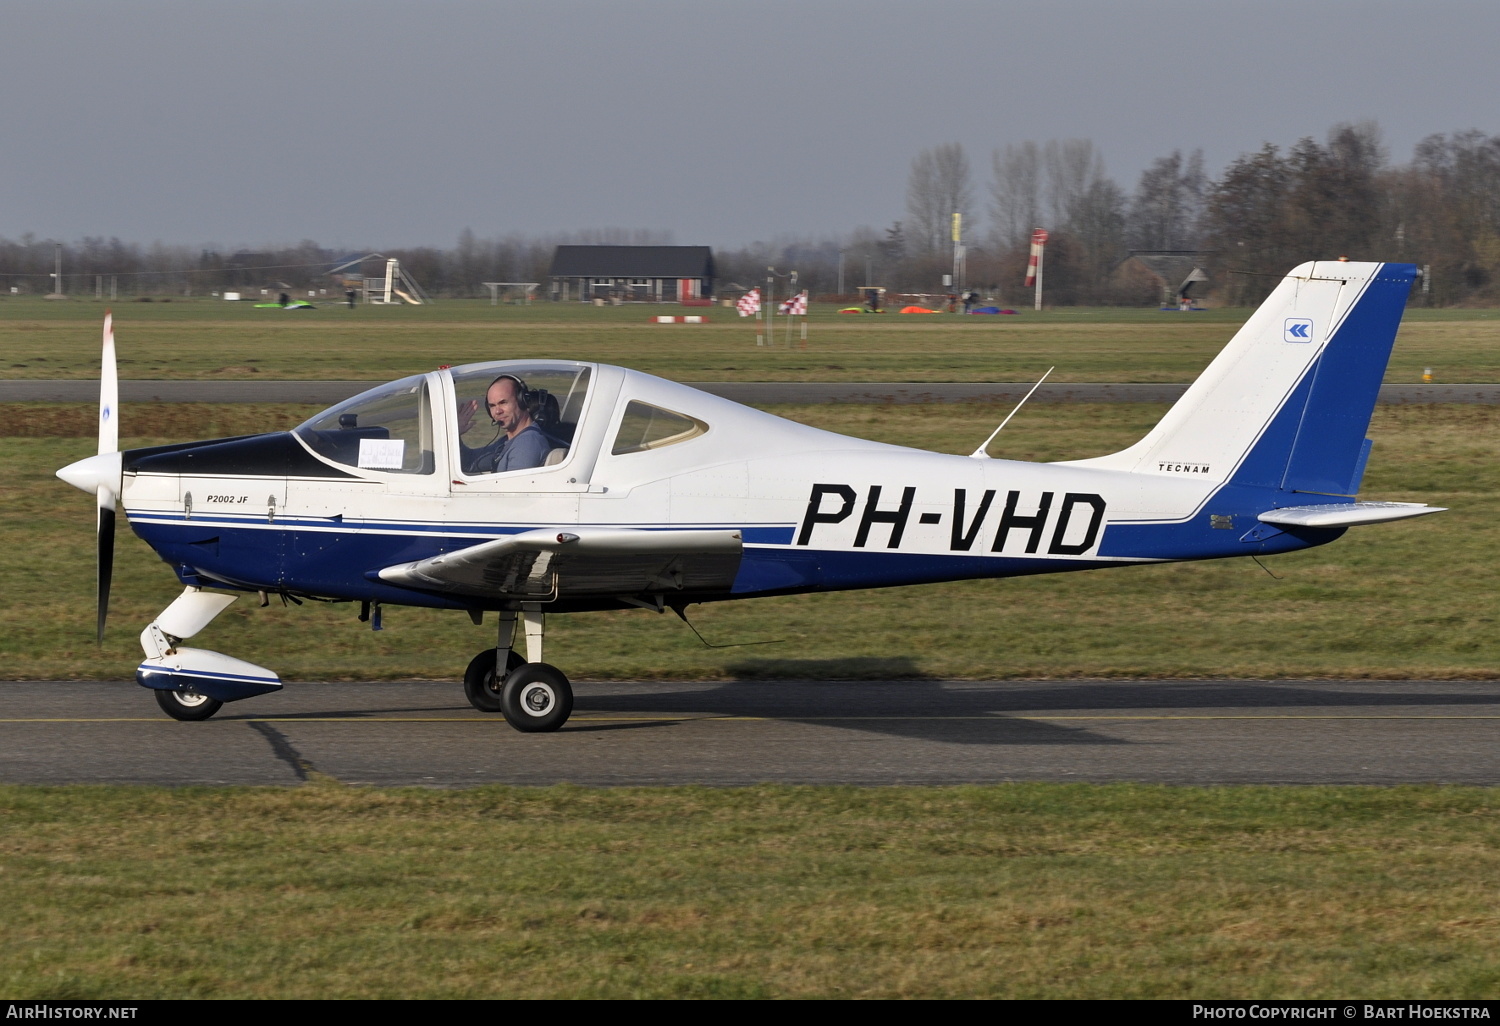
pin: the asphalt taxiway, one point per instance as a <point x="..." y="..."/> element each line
<point x="745" y="732"/>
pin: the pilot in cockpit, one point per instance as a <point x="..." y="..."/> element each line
<point x="520" y="444"/>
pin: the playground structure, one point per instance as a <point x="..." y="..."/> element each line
<point x="397" y="287"/>
<point x="394" y="288"/>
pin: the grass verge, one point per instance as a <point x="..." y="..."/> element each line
<point x="1024" y="890"/>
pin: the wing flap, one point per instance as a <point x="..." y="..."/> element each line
<point x="1346" y="514"/>
<point x="545" y="564"/>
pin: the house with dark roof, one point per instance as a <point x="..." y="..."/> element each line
<point x="645" y="274"/>
<point x="1164" y="276"/>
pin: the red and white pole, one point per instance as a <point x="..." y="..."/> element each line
<point x="1034" y="265"/>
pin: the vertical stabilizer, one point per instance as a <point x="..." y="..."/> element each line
<point x="1287" y="402"/>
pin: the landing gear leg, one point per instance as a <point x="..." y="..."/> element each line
<point x="535" y="622"/>
<point x="482" y="685"/>
<point x="536" y="697"/>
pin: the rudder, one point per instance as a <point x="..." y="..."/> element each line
<point x="1329" y="452"/>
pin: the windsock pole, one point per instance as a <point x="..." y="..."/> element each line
<point x="1034" y="265"/>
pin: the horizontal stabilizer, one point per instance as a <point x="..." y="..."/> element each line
<point x="550" y="563"/>
<point x="1346" y="514"/>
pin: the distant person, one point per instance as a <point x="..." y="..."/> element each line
<point x="349" y="297"/>
<point x="283" y="299"/>
<point x="520" y="444"/>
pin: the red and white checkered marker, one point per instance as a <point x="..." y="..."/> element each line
<point x="749" y="303"/>
<point x="681" y="319"/>
<point x="794" y="307"/>
<point x="1038" y="240"/>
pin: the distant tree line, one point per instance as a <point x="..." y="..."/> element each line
<point x="97" y="265"/>
<point x="1266" y="212"/>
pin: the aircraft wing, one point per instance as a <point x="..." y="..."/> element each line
<point x="1346" y="514"/>
<point x="548" y="563"/>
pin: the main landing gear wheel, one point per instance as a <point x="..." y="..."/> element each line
<point x="187" y="705"/>
<point x="480" y="686"/>
<point x="536" y="698"/>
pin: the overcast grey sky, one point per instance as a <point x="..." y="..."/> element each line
<point x="388" y="124"/>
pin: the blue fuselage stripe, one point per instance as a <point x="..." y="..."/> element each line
<point x="341" y="562"/>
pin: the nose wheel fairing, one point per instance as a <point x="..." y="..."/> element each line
<point x="171" y="666"/>
<point x="201" y="672"/>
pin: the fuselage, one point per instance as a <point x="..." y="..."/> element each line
<point x="297" y="512"/>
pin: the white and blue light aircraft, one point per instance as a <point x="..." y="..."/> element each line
<point x="655" y="495"/>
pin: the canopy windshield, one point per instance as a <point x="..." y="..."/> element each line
<point x="388" y="428"/>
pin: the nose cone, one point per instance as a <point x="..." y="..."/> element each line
<point x="88" y="474"/>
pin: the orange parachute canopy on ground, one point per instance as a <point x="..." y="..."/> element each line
<point x="916" y="309"/>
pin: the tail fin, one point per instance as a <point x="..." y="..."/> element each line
<point x="1287" y="402"/>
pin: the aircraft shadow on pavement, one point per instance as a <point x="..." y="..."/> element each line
<point x="914" y="709"/>
<point x="985" y="713"/>
<point x="882" y="668"/>
<point x="1206" y="696"/>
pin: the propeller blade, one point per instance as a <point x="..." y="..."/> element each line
<point x="109" y="442"/>
<point x="109" y="393"/>
<point x="106" y="539"/>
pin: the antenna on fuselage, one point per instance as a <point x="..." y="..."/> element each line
<point x="979" y="453"/>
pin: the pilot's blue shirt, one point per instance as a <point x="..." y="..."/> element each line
<point x="528" y="449"/>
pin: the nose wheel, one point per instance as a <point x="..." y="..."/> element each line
<point x="187" y="705"/>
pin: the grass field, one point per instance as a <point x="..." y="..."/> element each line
<point x="216" y="340"/>
<point x="1412" y="599"/>
<point x="1036" y="890"/>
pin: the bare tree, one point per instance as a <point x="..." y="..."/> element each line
<point x="1098" y="223"/>
<point x="465" y="273"/>
<point x="1168" y="204"/>
<point x="1015" y="193"/>
<point x="1073" y="168"/>
<point x="937" y="188"/>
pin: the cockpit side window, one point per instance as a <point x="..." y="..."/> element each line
<point x="387" y="428"/>
<point x="512" y="417"/>
<point x="646" y="427"/>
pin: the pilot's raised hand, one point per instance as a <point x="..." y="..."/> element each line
<point x="466" y="415"/>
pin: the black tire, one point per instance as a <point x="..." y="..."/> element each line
<point x="186" y="705"/>
<point x="536" y="699"/>
<point x="480" y="686"/>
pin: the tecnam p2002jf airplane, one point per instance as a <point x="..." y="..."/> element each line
<point x="647" y="493"/>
